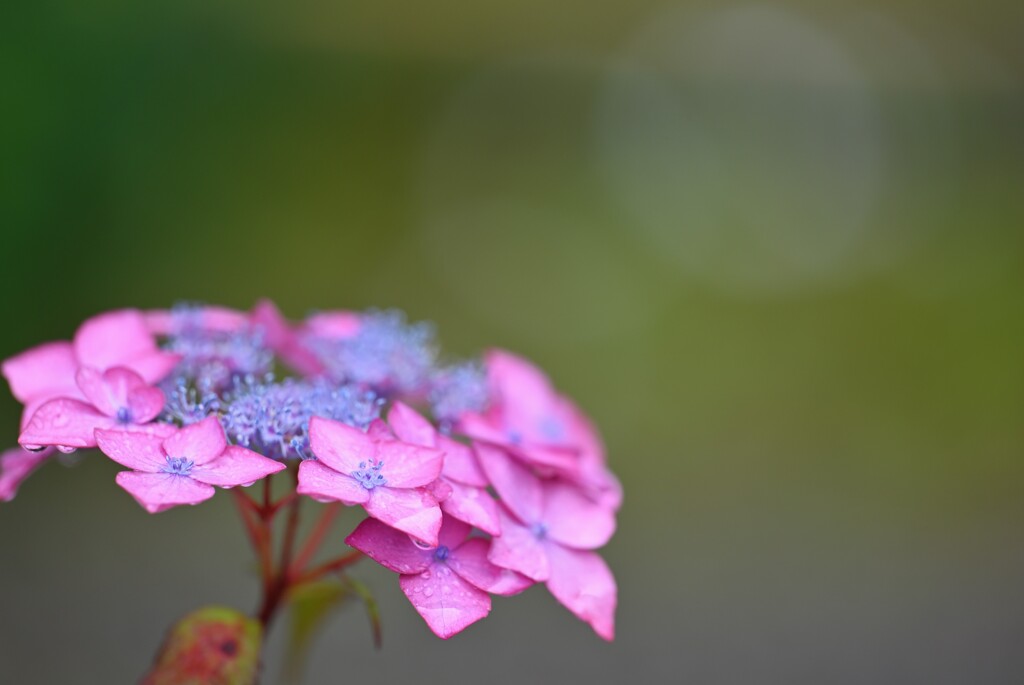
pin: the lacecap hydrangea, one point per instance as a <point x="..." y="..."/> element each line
<point x="476" y="476"/>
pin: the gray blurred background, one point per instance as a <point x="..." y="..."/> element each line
<point x="774" y="249"/>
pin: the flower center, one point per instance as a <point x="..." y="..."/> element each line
<point x="124" y="416"/>
<point x="178" y="466"/>
<point x="370" y="477"/>
<point x="539" y="530"/>
<point x="442" y="553"/>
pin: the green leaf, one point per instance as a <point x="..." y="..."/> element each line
<point x="210" y="646"/>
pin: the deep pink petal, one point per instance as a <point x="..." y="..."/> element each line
<point x="584" y="584"/>
<point x="145" y="403"/>
<point x="470" y="561"/>
<point x="200" y="442"/>
<point x="336" y="324"/>
<point x="154" y="366"/>
<point x="561" y="459"/>
<point x="453" y="532"/>
<point x="15" y="466"/>
<point x="41" y="372"/>
<point x="410" y="426"/>
<point x="445" y="601"/>
<point x="236" y="466"/>
<point x="113" y="339"/>
<point x="340" y="446"/>
<point x="378" y="431"/>
<point x="65" y="422"/>
<point x="159" y="491"/>
<point x="460" y="463"/>
<point x="139" y="450"/>
<point x="390" y="548"/>
<point x="409" y="466"/>
<point x="519" y="549"/>
<point x="440" y="489"/>
<point x="473" y="505"/>
<point x="108" y="390"/>
<point x="413" y="511"/>
<point x="327" y="485"/>
<point x="519" y="489"/>
<point x="574" y="519"/>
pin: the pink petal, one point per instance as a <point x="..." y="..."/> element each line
<point x="470" y="561"/>
<point x="563" y="460"/>
<point x="283" y="340"/>
<point x="412" y="511"/>
<point x="390" y="548"/>
<point x="473" y="505"/>
<point x="327" y="485"/>
<point x="584" y="584"/>
<point x="112" y="339"/>
<point x="337" y="324"/>
<point x="340" y="446"/>
<point x="445" y="601"/>
<point x="460" y="463"/>
<point x="410" y="427"/>
<point x="41" y="372"/>
<point x="15" y="466"/>
<point x="154" y="366"/>
<point x="519" y="549"/>
<point x="519" y="489"/>
<point x="575" y="520"/>
<point x="453" y="532"/>
<point x="236" y="466"/>
<point x="378" y="431"/>
<point x="145" y="403"/>
<point x="64" y="422"/>
<point x="409" y="466"/>
<point x="200" y="442"/>
<point x="159" y="491"/>
<point x="108" y="390"/>
<point x="142" y="451"/>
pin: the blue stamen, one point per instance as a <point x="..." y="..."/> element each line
<point x="539" y="530"/>
<point x="371" y="477"/>
<point x="124" y="416"/>
<point x="178" y="466"/>
<point x="442" y="553"/>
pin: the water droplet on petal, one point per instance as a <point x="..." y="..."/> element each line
<point x="67" y="449"/>
<point x="428" y="591"/>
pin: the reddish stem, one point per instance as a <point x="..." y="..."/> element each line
<point x="316" y="537"/>
<point x="344" y="561"/>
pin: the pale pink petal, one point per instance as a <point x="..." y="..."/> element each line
<point x="108" y="390"/>
<point x="410" y="426"/>
<point x="470" y="561"/>
<point x="113" y="339"/>
<point x="145" y="403"/>
<point x="473" y="505"/>
<point x="200" y="442"/>
<point x="575" y="520"/>
<point x="413" y="511"/>
<point x="336" y="324"/>
<point x="378" y="431"/>
<point x="327" y="485"/>
<point x="65" y="422"/>
<point x="481" y="428"/>
<point x="154" y="366"/>
<point x="518" y="488"/>
<point x="137" y="450"/>
<point x="236" y="466"/>
<point x="524" y="395"/>
<point x="460" y="463"/>
<point x="159" y="491"/>
<point x="41" y="372"/>
<point x="445" y="601"/>
<point x="15" y="466"/>
<point x="584" y="584"/>
<point x="390" y="548"/>
<point x="340" y="446"/>
<point x="409" y="466"/>
<point x="519" y="549"/>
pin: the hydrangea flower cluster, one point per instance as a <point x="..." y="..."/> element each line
<point x="477" y="477"/>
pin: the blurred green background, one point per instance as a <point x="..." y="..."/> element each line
<point x="775" y="250"/>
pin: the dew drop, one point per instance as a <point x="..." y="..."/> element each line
<point x="67" y="449"/>
<point x="428" y="591"/>
<point x="34" y="448"/>
<point x="425" y="575"/>
<point x="445" y="590"/>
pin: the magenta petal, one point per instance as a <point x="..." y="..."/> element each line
<point x="159" y="491"/>
<point x="236" y="466"/>
<point x="338" y="324"/>
<point x="518" y="549"/>
<point x="409" y="466"/>
<point x="139" y="450"/>
<point x="445" y="601"/>
<point x="145" y="403"/>
<point x="519" y="489"/>
<point x="473" y="505"/>
<point x="340" y="446"/>
<point x="470" y="561"/>
<point x="113" y="338"/>
<point x="584" y="584"/>
<point x="460" y="463"/>
<point x="282" y="339"/>
<point x="575" y="520"/>
<point x="390" y="548"/>
<point x="410" y="427"/>
<point x="327" y="485"/>
<point x="15" y="466"/>
<point x="108" y="390"/>
<point x="413" y="511"/>
<point x="154" y="366"/>
<point x="64" y="422"/>
<point x="41" y="372"/>
<point x="453" y="532"/>
<point x="200" y="442"/>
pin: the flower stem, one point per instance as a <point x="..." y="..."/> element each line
<point x="316" y="537"/>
